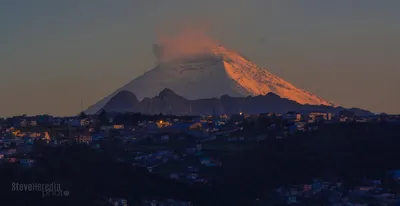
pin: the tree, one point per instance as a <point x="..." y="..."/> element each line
<point x="103" y="118"/>
<point x="82" y="115"/>
<point x="119" y="119"/>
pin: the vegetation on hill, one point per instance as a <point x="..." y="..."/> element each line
<point x="346" y="152"/>
<point x="349" y="152"/>
<point x="91" y="177"/>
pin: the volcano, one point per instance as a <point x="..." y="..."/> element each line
<point x="211" y="74"/>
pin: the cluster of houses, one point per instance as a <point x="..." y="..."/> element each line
<point x="16" y="146"/>
<point x="343" y="116"/>
<point x="189" y="175"/>
<point x="199" y="123"/>
<point x="327" y="117"/>
<point x="338" y="194"/>
<point x="153" y="160"/>
<point x="14" y="142"/>
<point x="118" y="201"/>
<point x="295" y="193"/>
<point x="166" y="202"/>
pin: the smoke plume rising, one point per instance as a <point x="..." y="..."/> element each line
<point x="187" y="42"/>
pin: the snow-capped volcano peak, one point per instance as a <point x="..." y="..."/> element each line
<point x="213" y="72"/>
<point x="257" y="81"/>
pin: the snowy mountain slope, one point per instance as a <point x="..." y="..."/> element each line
<point x="221" y="72"/>
<point x="257" y="81"/>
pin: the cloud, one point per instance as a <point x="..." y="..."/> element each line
<point x="187" y="40"/>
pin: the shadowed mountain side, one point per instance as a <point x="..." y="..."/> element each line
<point x="122" y="102"/>
<point x="168" y="102"/>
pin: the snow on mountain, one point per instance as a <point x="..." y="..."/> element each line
<point x="213" y="74"/>
<point x="257" y="81"/>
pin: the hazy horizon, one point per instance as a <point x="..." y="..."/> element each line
<point x="55" y="54"/>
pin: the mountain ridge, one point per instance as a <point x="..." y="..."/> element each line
<point x="168" y="102"/>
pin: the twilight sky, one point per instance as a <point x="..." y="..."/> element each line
<point x="55" y="53"/>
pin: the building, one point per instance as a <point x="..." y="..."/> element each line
<point x="347" y="114"/>
<point x="85" y="122"/>
<point x="318" y="116"/>
<point x="83" y="139"/>
<point x="164" y="138"/>
<point x="118" y="201"/>
<point x="27" y="162"/>
<point x="292" y="116"/>
<point x="33" y="123"/>
<point x="119" y="126"/>
<point x="24" y="123"/>
<point x="163" y="123"/>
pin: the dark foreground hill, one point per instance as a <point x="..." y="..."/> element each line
<point x="90" y="177"/>
<point x="350" y="152"/>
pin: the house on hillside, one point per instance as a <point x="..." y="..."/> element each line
<point x="292" y="116"/>
<point x="301" y="125"/>
<point x="346" y="116"/>
<point x="27" y="162"/>
<point x="209" y="162"/>
<point x="106" y="127"/>
<point x="164" y="138"/>
<point x="85" y="122"/>
<point x="320" y="116"/>
<point x="118" y="126"/>
<point x="33" y="123"/>
<point x="118" y="201"/>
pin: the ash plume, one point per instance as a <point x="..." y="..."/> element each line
<point x="188" y="42"/>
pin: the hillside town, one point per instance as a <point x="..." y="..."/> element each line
<point x="186" y="149"/>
